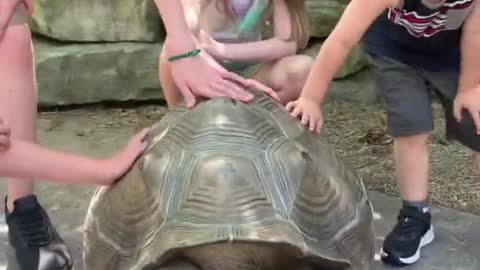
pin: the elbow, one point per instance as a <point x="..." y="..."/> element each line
<point x="292" y="47"/>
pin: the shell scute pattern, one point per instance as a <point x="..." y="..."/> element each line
<point x="228" y="171"/>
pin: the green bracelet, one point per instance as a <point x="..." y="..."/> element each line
<point x="191" y="53"/>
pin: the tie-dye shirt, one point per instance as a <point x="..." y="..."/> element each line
<point x="248" y="16"/>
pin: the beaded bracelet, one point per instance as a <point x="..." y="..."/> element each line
<point x="191" y="53"/>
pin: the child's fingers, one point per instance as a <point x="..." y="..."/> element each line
<point x="290" y="105"/>
<point x="319" y="126"/>
<point x="235" y="77"/>
<point x="296" y="112"/>
<point x="262" y="87"/>
<point x="476" y="119"/>
<point x="228" y="88"/>
<point x="305" y="119"/>
<point x="4" y="130"/>
<point x="4" y="142"/>
<point x="188" y="96"/>
<point x="457" y="111"/>
<point x="143" y="134"/>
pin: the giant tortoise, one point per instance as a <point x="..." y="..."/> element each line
<point x="232" y="186"/>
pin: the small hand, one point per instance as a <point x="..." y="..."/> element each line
<point x="258" y="86"/>
<point x="120" y="164"/>
<point x="7" y="7"/>
<point x="4" y="136"/>
<point x="308" y="111"/>
<point x="211" y="46"/>
<point x="469" y="100"/>
<point x="202" y="76"/>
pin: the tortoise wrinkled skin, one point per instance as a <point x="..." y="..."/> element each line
<point x="230" y="186"/>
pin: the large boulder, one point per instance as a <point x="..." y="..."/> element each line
<point x="359" y="88"/>
<point x="93" y="20"/>
<point x="88" y="73"/>
<point x="324" y="15"/>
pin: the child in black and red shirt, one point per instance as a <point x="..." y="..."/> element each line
<point x="418" y="47"/>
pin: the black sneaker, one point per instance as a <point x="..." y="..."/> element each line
<point x="35" y="242"/>
<point x="412" y="232"/>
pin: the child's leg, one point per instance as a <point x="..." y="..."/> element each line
<point x="18" y="96"/>
<point x="410" y="121"/>
<point x="31" y="235"/>
<point x="286" y="76"/>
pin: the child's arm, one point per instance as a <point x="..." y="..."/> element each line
<point x="468" y="96"/>
<point x="354" y="22"/>
<point x="28" y="160"/>
<point x="280" y="45"/>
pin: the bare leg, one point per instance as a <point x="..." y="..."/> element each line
<point x="18" y="97"/>
<point x="286" y="76"/>
<point x="412" y="167"/>
<point x="36" y="242"/>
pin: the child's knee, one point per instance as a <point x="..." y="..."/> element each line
<point x="296" y="71"/>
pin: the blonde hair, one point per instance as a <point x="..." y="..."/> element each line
<point x="298" y="17"/>
<point x="300" y="23"/>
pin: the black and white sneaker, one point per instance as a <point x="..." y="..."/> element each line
<point x="33" y="240"/>
<point x="412" y="232"/>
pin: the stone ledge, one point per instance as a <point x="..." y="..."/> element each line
<point x="88" y="73"/>
<point x="83" y="73"/>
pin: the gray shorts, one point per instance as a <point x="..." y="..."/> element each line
<point x="407" y="93"/>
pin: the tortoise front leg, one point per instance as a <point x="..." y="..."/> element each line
<point x="180" y="265"/>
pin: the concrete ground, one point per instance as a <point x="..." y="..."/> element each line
<point x="457" y="244"/>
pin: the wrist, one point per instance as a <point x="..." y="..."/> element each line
<point x="224" y="53"/>
<point x="180" y="44"/>
<point x="105" y="172"/>
<point x="317" y="98"/>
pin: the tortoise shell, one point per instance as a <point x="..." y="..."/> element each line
<point x="229" y="185"/>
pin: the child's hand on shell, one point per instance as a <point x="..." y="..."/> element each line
<point x="308" y="112"/>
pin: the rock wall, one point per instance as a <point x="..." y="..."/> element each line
<point x="90" y="51"/>
<point x="98" y="21"/>
<point x="88" y="73"/>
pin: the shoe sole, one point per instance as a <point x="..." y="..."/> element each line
<point x="13" y="265"/>
<point x="399" y="261"/>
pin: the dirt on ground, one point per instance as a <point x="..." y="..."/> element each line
<point x="357" y="131"/>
